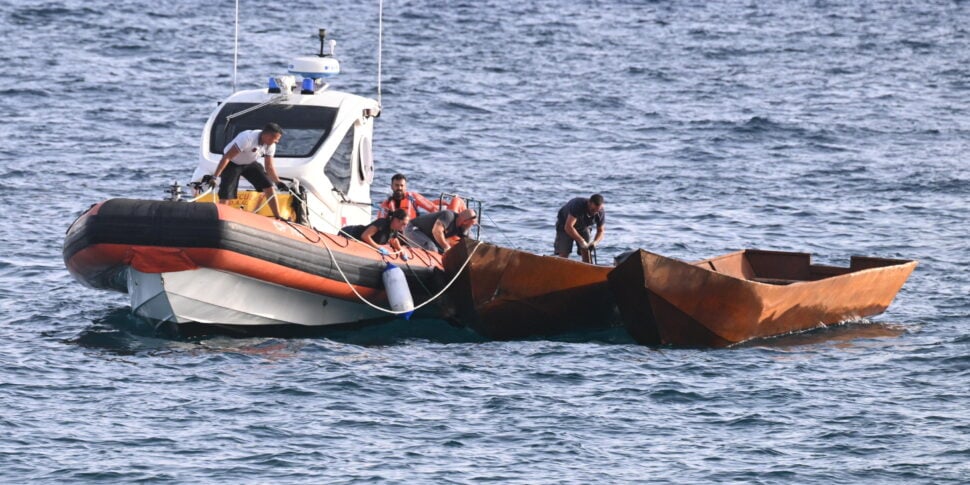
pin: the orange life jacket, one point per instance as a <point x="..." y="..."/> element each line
<point x="407" y="203"/>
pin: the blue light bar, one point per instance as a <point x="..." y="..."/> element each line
<point x="307" y="86"/>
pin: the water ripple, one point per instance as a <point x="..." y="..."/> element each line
<point x="833" y="127"/>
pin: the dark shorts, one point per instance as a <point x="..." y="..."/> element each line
<point x="564" y="243"/>
<point x="254" y="173"/>
<point x="413" y="236"/>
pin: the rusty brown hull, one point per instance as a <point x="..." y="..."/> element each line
<point x="508" y="294"/>
<point x="747" y="294"/>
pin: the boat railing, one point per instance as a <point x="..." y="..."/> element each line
<point x="457" y="203"/>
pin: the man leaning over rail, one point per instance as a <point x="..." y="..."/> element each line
<point x="240" y="159"/>
<point x="432" y="231"/>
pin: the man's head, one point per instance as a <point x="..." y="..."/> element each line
<point x="399" y="219"/>
<point x="271" y="134"/>
<point x="467" y="218"/>
<point x="595" y="204"/>
<point x="399" y="186"/>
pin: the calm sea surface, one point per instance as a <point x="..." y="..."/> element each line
<point x="833" y="127"/>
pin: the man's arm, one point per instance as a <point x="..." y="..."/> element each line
<point x="225" y="160"/>
<point x="271" y="169"/>
<point x="422" y="202"/>
<point x="438" y="231"/>
<point x="573" y="233"/>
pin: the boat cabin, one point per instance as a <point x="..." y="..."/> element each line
<point x="326" y="148"/>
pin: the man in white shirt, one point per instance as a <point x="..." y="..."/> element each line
<point x="240" y="158"/>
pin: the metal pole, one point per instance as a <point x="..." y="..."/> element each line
<point x="380" y="45"/>
<point x="235" y="50"/>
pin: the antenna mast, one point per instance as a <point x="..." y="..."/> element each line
<point x="235" y="49"/>
<point x="380" y="45"/>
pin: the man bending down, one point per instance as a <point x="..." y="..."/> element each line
<point x="431" y="231"/>
<point x="573" y="223"/>
<point x="240" y="158"/>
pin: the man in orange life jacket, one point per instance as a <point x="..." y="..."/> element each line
<point x="400" y="198"/>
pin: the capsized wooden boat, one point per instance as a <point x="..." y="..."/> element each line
<point x="747" y="294"/>
<point x="507" y="294"/>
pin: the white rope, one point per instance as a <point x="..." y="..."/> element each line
<point x="401" y="312"/>
<point x="203" y="194"/>
<point x="380" y="45"/>
<point x="256" y="210"/>
<point x="340" y="230"/>
<point x="265" y="203"/>
<point x="347" y="280"/>
<point x="351" y="285"/>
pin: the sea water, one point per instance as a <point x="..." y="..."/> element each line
<point x="830" y="127"/>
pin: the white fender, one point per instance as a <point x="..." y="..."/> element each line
<point x="398" y="293"/>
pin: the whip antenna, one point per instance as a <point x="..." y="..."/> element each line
<point x="380" y="45"/>
<point x="235" y="49"/>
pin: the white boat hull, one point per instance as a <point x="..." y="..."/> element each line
<point x="220" y="298"/>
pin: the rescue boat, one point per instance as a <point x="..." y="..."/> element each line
<point x="233" y="267"/>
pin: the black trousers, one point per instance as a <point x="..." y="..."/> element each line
<point x="254" y="173"/>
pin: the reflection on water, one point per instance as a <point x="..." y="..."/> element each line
<point x="842" y="336"/>
<point x="121" y="332"/>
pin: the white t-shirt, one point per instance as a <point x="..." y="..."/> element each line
<point x="249" y="148"/>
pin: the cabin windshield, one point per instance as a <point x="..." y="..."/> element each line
<point x="304" y="127"/>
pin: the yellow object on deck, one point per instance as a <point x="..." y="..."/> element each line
<point x="250" y="200"/>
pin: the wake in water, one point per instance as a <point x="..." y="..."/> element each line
<point x="120" y="332"/>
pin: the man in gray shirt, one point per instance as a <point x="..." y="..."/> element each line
<point x="573" y="222"/>
<point x="432" y="231"/>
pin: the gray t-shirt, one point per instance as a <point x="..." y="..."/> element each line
<point x="448" y="218"/>
<point x="578" y="209"/>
